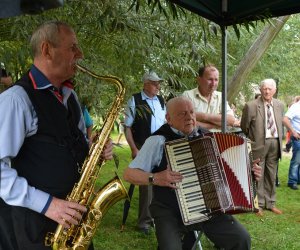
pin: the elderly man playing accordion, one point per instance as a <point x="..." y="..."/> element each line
<point x="150" y="168"/>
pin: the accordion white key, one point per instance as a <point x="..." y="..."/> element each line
<point x="217" y="175"/>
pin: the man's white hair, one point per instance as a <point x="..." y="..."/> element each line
<point x="269" y="81"/>
<point x="175" y="100"/>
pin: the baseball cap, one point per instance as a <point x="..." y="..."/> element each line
<point x="151" y="76"/>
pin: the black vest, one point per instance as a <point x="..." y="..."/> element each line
<point x="165" y="195"/>
<point x="141" y="127"/>
<point x="50" y="159"/>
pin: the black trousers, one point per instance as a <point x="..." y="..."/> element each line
<point x="24" y="229"/>
<point x="7" y="235"/>
<point x="223" y="230"/>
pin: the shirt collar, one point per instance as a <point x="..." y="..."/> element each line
<point x="198" y="94"/>
<point x="40" y="81"/>
<point x="191" y="135"/>
<point x="271" y="103"/>
<point x="144" y="96"/>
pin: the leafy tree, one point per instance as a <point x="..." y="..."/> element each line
<point x="126" y="38"/>
<point x="119" y="41"/>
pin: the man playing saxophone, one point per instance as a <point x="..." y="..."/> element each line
<point x="42" y="143"/>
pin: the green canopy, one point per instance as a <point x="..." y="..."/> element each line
<point x="229" y="12"/>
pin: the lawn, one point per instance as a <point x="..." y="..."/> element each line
<point x="270" y="232"/>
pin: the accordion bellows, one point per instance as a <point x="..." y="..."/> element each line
<point x="217" y="175"/>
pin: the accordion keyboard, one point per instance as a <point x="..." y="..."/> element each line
<point x="190" y="196"/>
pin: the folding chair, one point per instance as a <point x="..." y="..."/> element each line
<point x="197" y="244"/>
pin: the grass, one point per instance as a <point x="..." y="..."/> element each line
<point x="270" y="232"/>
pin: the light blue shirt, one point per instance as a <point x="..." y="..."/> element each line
<point x="150" y="154"/>
<point x="157" y="118"/>
<point x="18" y="121"/>
<point x="293" y="114"/>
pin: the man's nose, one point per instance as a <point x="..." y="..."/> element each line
<point x="189" y="115"/>
<point x="79" y="53"/>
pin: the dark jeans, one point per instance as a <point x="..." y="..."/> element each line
<point x="294" y="169"/>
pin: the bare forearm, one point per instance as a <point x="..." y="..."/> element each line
<point x="136" y="176"/>
<point x="214" y="120"/>
<point x="208" y="125"/>
<point x="166" y="178"/>
<point x="287" y="123"/>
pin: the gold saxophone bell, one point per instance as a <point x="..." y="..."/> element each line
<point x="80" y="236"/>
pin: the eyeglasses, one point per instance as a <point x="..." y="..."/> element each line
<point x="154" y="83"/>
<point x="74" y="47"/>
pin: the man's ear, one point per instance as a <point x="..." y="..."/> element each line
<point x="168" y="118"/>
<point x="46" y="49"/>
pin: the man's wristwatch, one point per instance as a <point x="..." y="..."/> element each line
<point x="151" y="179"/>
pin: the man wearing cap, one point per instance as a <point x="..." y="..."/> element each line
<point x="145" y="113"/>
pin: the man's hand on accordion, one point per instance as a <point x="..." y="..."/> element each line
<point x="256" y="169"/>
<point x="167" y="178"/>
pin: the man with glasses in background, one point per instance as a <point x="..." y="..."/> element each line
<point x="145" y="113"/>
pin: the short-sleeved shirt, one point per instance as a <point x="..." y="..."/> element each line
<point x="293" y="114"/>
<point x="201" y="104"/>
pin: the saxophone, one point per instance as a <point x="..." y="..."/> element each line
<point x="80" y="236"/>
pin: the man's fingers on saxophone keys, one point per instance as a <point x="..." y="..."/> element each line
<point x="69" y="220"/>
<point x="77" y="207"/>
<point x="76" y="215"/>
<point x="64" y="223"/>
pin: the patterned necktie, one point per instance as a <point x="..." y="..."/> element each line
<point x="270" y="121"/>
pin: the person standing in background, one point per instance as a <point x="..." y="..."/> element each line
<point x="292" y="122"/>
<point x="5" y="79"/>
<point x="145" y="113"/>
<point x="88" y="121"/>
<point x="261" y="122"/>
<point x="208" y="101"/>
<point x="288" y="143"/>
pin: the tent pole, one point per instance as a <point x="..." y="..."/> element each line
<point x="224" y="77"/>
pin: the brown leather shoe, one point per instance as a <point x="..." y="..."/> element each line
<point x="276" y="210"/>
<point x="260" y="213"/>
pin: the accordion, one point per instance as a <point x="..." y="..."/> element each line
<point x="217" y="175"/>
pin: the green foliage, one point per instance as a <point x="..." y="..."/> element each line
<point x="117" y="40"/>
<point x="126" y="38"/>
<point x="268" y="233"/>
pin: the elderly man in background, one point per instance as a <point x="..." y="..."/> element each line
<point x="145" y="114"/>
<point x="262" y="123"/>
